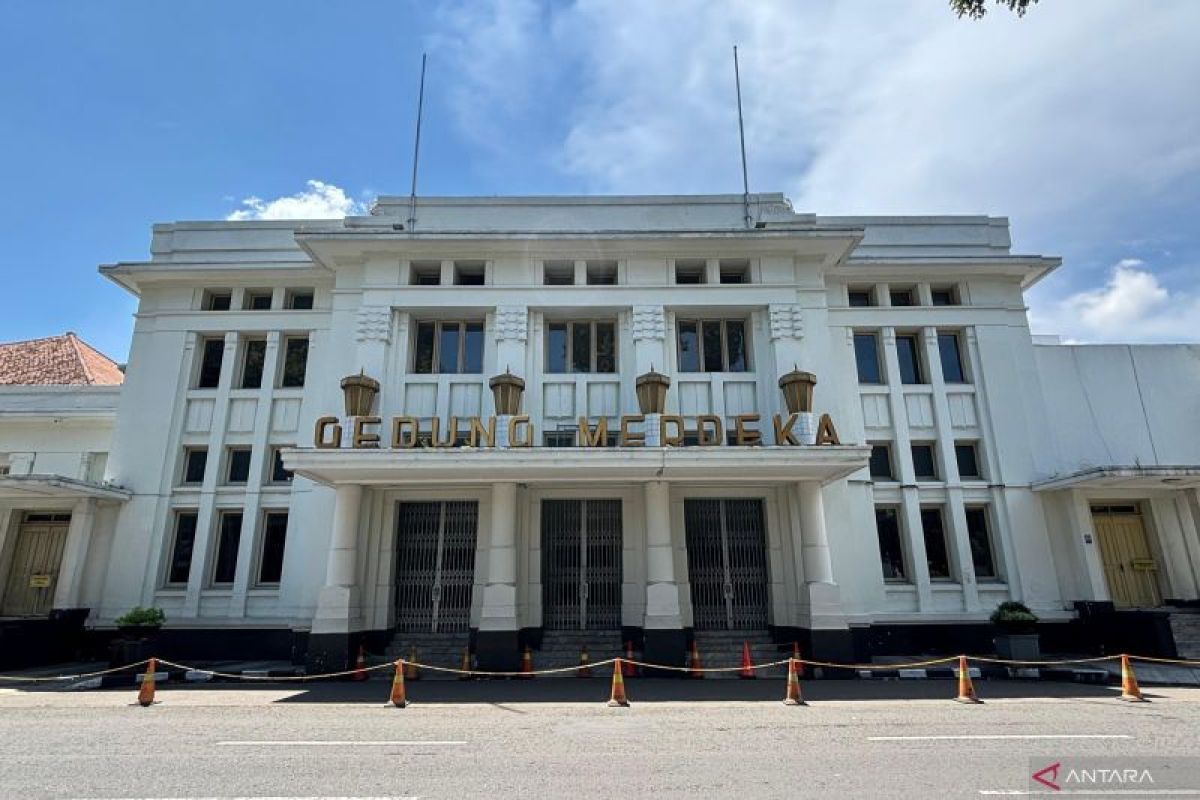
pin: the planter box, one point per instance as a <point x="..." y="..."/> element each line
<point x="1018" y="646"/>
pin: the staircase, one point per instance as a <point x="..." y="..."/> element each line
<point x="1185" y="627"/>
<point x="724" y="649"/>
<point x="438" y="649"/>
<point x="561" y="649"/>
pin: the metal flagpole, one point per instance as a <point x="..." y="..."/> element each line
<point x="412" y="196"/>
<point x="742" y="137"/>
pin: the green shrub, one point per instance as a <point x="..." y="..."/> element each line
<point x="153" y="617"/>
<point x="1011" y="614"/>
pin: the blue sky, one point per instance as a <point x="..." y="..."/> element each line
<point x="1080" y="122"/>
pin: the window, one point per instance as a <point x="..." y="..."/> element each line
<point x="881" y="462"/>
<point x="448" y="348"/>
<point x="713" y="346"/>
<point x="690" y="272"/>
<point x="860" y="297"/>
<point x="866" y="353"/>
<point x="559" y="438"/>
<point x="967" y="456"/>
<point x="944" y="296"/>
<point x="901" y="297"/>
<point x="300" y="299"/>
<point x="237" y="467"/>
<point x="602" y="273"/>
<point x="924" y="465"/>
<point x="558" y="273"/>
<point x="980" y="540"/>
<point x="278" y="473"/>
<point x="891" y="551"/>
<point x="228" y="537"/>
<point x="295" y="361"/>
<point x="217" y="299"/>
<point x="952" y="365"/>
<point x="270" y="563"/>
<point x="909" y="356"/>
<point x="425" y="273"/>
<point x="935" y="543"/>
<point x="735" y="271"/>
<point x="469" y="273"/>
<point x="257" y="300"/>
<point x="581" y="347"/>
<point x="181" y="547"/>
<point x="254" y="355"/>
<point x="195" y="460"/>
<point x="212" y="352"/>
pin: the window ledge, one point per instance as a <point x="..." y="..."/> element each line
<point x="945" y="586"/>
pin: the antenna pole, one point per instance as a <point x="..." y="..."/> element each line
<point x="412" y="196"/>
<point x="742" y="138"/>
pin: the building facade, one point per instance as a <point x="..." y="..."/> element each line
<point x="508" y="422"/>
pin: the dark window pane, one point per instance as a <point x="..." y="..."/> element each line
<point x="952" y="368"/>
<point x="301" y="300"/>
<point x="711" y="332"/>
<point x="968" y="460"/>
<point x="260" y="302"/>
<point x="866" y="353"/>
<point x="473" y="348"/>
<point x="225" y="567"/>
<point x="891" y="553"/>
<point x="181" y="552"/>
<point x="278" y="473"/>
<point x="902" y="297"/>
<point x="448" y="334"/>
<point x="559" y="438"/>
<point x="881" y="462"/>
<point x="469" y="276"/>
<point x="943" y="297"/>
<point x="212" y="354"/>
<point x="935" y="543"/>
<point x="219" y="302"/>
<point x="423" y="357"/>
<point x="239" y="465"/>
<point x="859" y="298"/>
<point x="923" y="463"/>
<point x="581" y="347"/>
<point x="606" y="347"/>
<point x="556" y="347"/>
<point x="295" y="362"/>
<point x="981" y="543"/>
<point x="193" y="470"/>
<point x="910" y="360"/>
<point x="735" y="343"/>
<point x="270" y="568"/>
<point x="252" y="367"/>
<point x="689" y="347"/>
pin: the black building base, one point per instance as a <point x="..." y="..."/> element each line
<point x="331" y="652"/>
<point x="498" y="651"/>
<point x="665" y="646"/>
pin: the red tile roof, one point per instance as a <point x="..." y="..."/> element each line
<point x="56" y="360"/>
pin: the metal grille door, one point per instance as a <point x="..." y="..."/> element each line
<point x="435" y="565"/>
<point x="581" y="564"/>
<point x="727" y="563"/>
<point x="34" y="572"/>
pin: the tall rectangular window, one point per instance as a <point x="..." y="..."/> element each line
<point x="881" y="462"/>
<point x="448" y="348"/>
<point x="295" y="361"/>
<point x="713" y="346"/>
<point x="181" y="547"/>
<point x="237" y="465"/>
<point x="279" y="474"/>
<point x="212" y="353"/>
<point x="195" y="459"/>
<point x="908" y="353"/>
<point x="254" y="355"/>
<point x="866" y="354"/>
<point x="935" y="543"/>
<point x="952" y="364"/>
<point x="980" y="540"/>
<point x="891" y="551"/>
<point x="924" y="463"/>
<point x="581" y="347"/>
<point x="228" y="538"/>
<point x="270" y="563"/>
<point x="967" y="456"/>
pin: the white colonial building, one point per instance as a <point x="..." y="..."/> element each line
<point x="445" y="425"/>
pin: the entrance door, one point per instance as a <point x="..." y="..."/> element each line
<point x="435" y="565"/>
<point x="29" y="591"/>
<point x="727" y="563"/>
<point x="1129" y="567"/>
<point x="581" y="565"/>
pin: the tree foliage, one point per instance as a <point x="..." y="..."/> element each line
<point x="975" y="9"/>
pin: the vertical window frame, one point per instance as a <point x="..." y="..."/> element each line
<point x="169" y="580"/>
<point x="203" y="367"/>
<point x="963" y="378"/>
<point x="904" y="572"/>
<point x="983" y="510"/>
<point x="701" y="352"/>
<point x="284" y="381"/>
<point x="920" y="376"/>
<point x="880" y="373"/>
<point x="260" y="555"/>
<point x="462" y="326"/>
<point x="244" y="360"/>
<point x="188" y="452"/>
<point x="223" y="514"/>
<point x="229" y="462"/>
<point x="926" y="534"/>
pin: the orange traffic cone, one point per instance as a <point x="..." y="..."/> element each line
<point x="360" y="666"/>
<point x="411" y="671"/>
<point x="796" y="655"/>
<point x="399" y="697"/>
<point x="627" y="668"/>
<point x="695" y="669"/>
<point x="966" y="689"/>
<point x="1129" y="686"/>
<point x="146" y="692"/>
<point x="792" y="697"/>
<point x="527" y="663"/>
<point x="617" y="698"/>
<point x="746" y="671"/>
<point x="585" y="670"/>
<point x="465" y="675"/>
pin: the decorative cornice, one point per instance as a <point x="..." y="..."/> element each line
<point x="787" y="321"/>
<point x="512" y="322"/>
<point x="374" y="324"/>
<point x="649" y="323"/>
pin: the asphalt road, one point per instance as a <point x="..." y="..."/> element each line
<point x="503" y="739"/>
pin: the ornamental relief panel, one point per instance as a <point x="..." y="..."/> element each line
<point x="649" y="323"/>
<point x="374" y="324"/>
<point x="786" y="321"/>
<point x="512" y="323"/>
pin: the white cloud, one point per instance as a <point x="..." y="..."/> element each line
<point x="320" y="201"/>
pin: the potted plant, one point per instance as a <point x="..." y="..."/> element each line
<point x="1016" y="632"/>
<point x="136" y="631"/>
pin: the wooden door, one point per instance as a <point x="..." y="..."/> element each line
<point x="29" y="591"/>
<point x="1129" y="566"/>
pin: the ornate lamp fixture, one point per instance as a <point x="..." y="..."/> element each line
<point x="797" y="390"/>
<point x="506" y="391"/>
<point x="359" y="392"/>
<point x="652" y="391"/>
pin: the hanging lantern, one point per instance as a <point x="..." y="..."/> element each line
<point x="359" y="392"/>
<point x="652" y="391"/>
<point x="506" y="391"/>
<point x="797" y="390"/>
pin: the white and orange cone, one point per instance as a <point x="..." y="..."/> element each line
<point x="145" y="696"/>
<point x="966" y="689"/>
<point x="398" y="697"/>
<point x="747" y="670"/>
<point x="617" y="698"/>
<point x="792" y="697"/>
<point x="1129" y="685"/>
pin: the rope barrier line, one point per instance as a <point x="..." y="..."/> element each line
<point x="1032" y="663"/>
<point x="80" y="676"/>
<point x="299" y="678"/>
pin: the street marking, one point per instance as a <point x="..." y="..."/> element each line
<point x="973" y="737"/>
<point x="1089" y="792"/>
<point x="280" y="797"/>
<point x="332" y="743"/>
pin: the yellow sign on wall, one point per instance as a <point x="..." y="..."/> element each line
<point x="40" y="581"/>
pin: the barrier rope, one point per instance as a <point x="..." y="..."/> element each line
<point x="80" y="676"/>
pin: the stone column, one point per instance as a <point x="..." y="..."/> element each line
<point x="496" y="645"/>
<point x="663" y="629"/>
<point x="338" y="605"/>
<point x="74" y="557"/>
<point x="821" y="597"/>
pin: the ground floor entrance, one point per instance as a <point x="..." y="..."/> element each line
<point x="727" y="563"/>
<point x="33" y="572"/>
<point x="1129" y="566"/>
<point x="435" y="565"/>
<point x="581" y="564"/>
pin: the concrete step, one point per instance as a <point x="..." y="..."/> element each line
<point x="1185" y="627"/>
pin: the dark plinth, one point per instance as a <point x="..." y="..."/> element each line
<point x="329" y="652"/>
<point x="667" y="646"/>
<point x="497" y="651"/>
